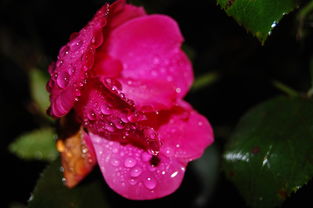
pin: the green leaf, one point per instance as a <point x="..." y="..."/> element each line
<point x="38" y="144"/>
<point x="258" y="16"/>
<point x="38" y="81"/>
<point x="51" y="193"/>
<point x="270" y="155"/>
<point x="204" y="81"/>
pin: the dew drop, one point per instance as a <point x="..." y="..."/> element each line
<point x="169" y="152"/>
<point x="64" y="181"/>
<point x="115" y="150"/>
<point x="122" y="95"/>
<point x="76" y="45"/>
<point x="146" y="156"/>
<point x="156" y="60"/>
<point x="88" y="59"/>
<point x="71" y="70"/>
<point x="119" y="124"/>
<point x="63" y="80"/>
<point x="59" y="63"/>
<point x="97" y="40"/>
<point x="132" y="181"/>
<point x="150" y="183"/>
<point x="135" y="172"/>
<point x="105" y="110"/>
<point x="130" y="162"/>
<point x="178" y="90"/>
<point x="91" y="115"/>
<point x="134" y="117"/>
<point x="110" y="127"/>
<point x="55" y="76"/>
<point x="115" y="162"/>
<point x="64" y="51"/>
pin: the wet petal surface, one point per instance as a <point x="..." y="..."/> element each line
<point x="130" y="172"/>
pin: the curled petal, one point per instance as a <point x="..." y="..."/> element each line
<point x="122" y="12"/>
<point x="74" y="59"/>
<point x="151" y="51"/>
<point x="135" y="174"/>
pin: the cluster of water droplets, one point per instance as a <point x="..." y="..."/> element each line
<point x="135" y="167"/>
<point x="77" y="57"/>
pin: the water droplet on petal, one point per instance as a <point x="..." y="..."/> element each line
<point x="146" y="156"/>
<point x="59" y="63"/>
<point x="132" y="181"/>
<point x="55" y="76"/>
<point x="150" y="183"/>
<point x="97" y="40"/>
<point x="115" y="162"/>
<point x="130" y="162"/>
<point x="178" y="90"/>
<point x="71" y="70"/>
<point x="119" y="124"/>
<point x="105" y="110"/>
<point x="135" y="172"/>
<point x="64" y="51"/>
<point x="134" y="117"/>
<point x="63" y="79"/>
<point x="64" y="181"/>
<point x="110" y="127"/>
<point x="76" y="45"/>
<point x="91" y="115"/>
<point x="88" y="59"/>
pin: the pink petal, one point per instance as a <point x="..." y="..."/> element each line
<point x="151" y="51"/>
<point x="102" y="108"/>
<point x="186" y="135"/>
<point x="156" y="94"/>
<point x="75" y="58"/>
<point x="128" y="170"/>
<point x="123" y="12"/>
<point x="106" y="66"/>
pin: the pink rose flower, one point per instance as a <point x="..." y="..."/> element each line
<point x="123" y="78"/>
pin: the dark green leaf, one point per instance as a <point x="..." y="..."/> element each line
<point x="270" y="154"/>
<point x="206" y="169"/>
<point x="38" y="144"/>
<point x="258" y="16"/>
<point x="51" y="193"/>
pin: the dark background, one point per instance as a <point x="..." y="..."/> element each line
<point x="31" y="33"/>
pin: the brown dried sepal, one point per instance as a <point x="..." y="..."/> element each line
<point x="77" y="160"/>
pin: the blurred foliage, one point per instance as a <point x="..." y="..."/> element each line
<point x="38" y="145"/>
